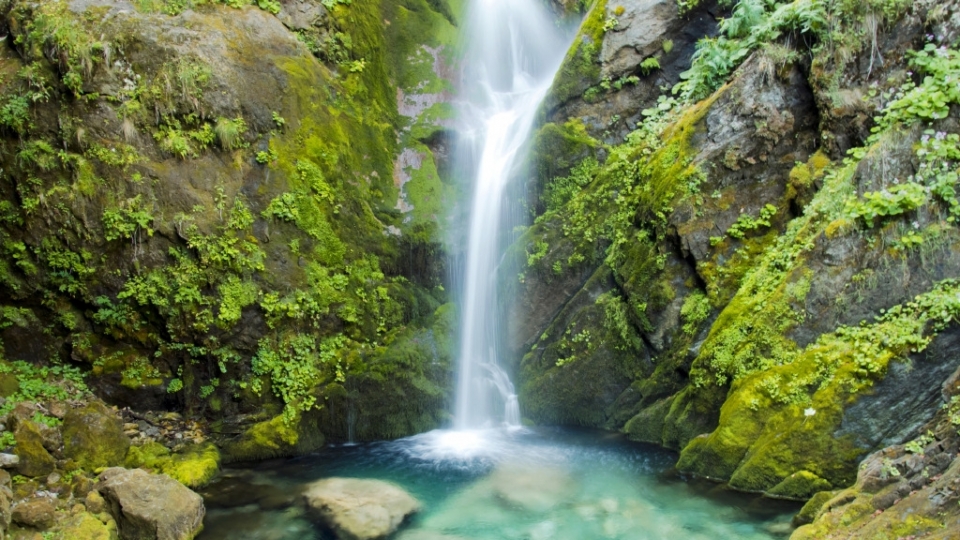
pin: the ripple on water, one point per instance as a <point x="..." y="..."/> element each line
<point x="502" y="485"/>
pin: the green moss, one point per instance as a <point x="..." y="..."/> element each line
<point x="93" y="437"/>
<point x="34" y="458"/>
<point x="781" y="421"/>
<point x="413" y="366"/>
<point x="85" y="526"/>
<point x="276" y="437"/>
<point x="557" y="148"/>
<point x="9" y="385"/>
<point x="800" y="485"/>
<point x="813" y="507"/>
<point x="581" y="67"/>
<point x="193" y="467"/>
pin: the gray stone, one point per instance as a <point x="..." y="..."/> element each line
<point x="151" y="506"/>
<point x="9" y="460"/>
<point x="639" y="33"/>
<point x="360" y="509"/>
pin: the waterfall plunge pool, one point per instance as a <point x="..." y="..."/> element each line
<point x="524" y="484"/>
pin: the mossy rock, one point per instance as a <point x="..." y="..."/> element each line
<point x="9" y="385"/>
<point x="86" y="526"/>
<point x="799" y="486"/>
<point x="277" y="437"/>
<point x="194" y="467"/>
<point x="812" y="507"/>
<point x="34" y="458"/>
<point x="93" y="437"/>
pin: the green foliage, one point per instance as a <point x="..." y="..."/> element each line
<point x="117" y="155"/>
<point x="39" y="383"/>
<point x="894" y="201"/>
<point x="917" y="445"/>
<point x="618" y="323"/>
<point x="649" y="65"/>
<point x="15" y="113"/>
<point x="128" y="220"/>
<point x="931" y="99"/>
<point x="53" y="30"/>
<point x="540" y="251"/>
<point x="696" y="308"/>
<point x="230" y="132"/>
<point x="293" y="365"/>
<point x="746" y="223"/>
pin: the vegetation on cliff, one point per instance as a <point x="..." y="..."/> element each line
<point x="779" y="229"/>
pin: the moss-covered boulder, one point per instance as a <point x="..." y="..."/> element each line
<point x="34" y="458"/>
<point x="93" y="437"/>
<point x="85" y="526"/>
<point x="277" y="437"/>
<point x="193" y="466"/>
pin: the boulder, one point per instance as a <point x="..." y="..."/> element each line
<point x="360" y="509"/>
<point x="8" y="461"/>
<point x="34" y="458"/>
<point x="93" y="437"/>
<point x="151" y="506"/>
<point x="86" y="526"/>
<point x="38" y="513"/>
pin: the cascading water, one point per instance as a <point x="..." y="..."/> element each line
<point x="514" y="50"/>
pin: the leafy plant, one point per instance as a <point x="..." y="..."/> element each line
<point x="894" y="201"/>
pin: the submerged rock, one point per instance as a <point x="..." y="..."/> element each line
<point x="151" y="506"/>
<point x="360" y="509"/>
<point x="535" y="489"/>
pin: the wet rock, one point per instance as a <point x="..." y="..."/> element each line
<point x="93" y="437"/>
<point x="360" y="509"/>
<point x="38" y="513"/>
<point x="34" y="458"/>
<point x="151" y="506"/>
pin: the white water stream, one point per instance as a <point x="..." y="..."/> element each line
<point x="513" y="52"/>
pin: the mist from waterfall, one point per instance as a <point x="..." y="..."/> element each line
<point x="513" y="51"/>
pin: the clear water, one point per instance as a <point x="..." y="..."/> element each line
<point x="518" y="484"/>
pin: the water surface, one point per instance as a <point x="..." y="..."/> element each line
<point x="502" y="485"/>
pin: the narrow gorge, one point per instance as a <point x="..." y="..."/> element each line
<point x="479" y="269"/>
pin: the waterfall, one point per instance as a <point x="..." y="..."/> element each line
<point x="513" y="51"/>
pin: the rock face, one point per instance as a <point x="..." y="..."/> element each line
<point x="270" y="109"/>
<point x="715" y="281"/>
<point x="151" y="506"/>
<point x="93" y="437"/>
<point x="360" y="509"/>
